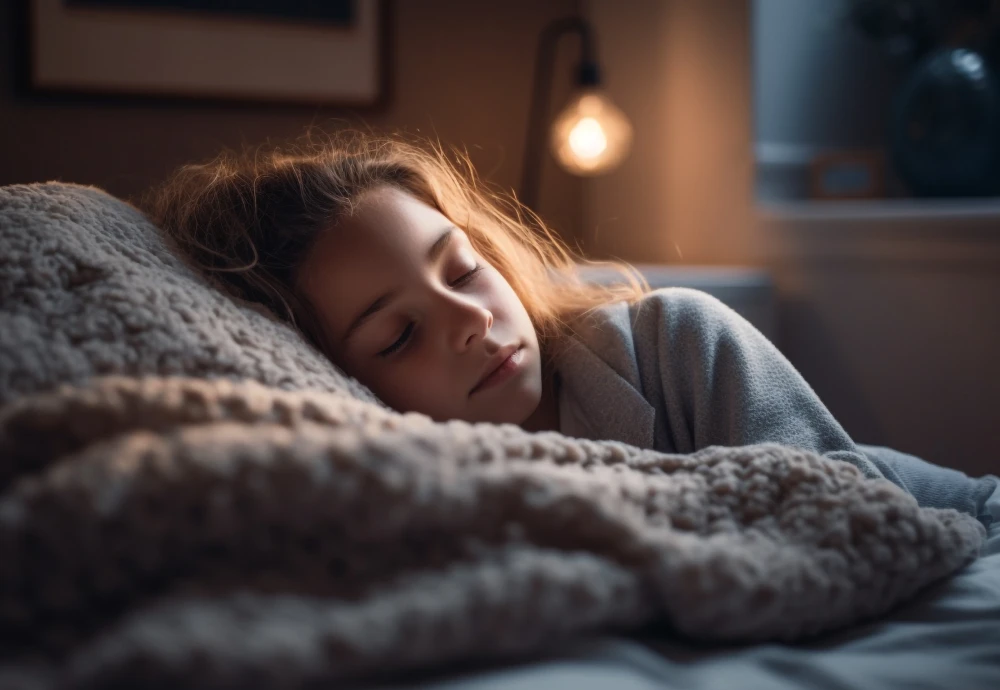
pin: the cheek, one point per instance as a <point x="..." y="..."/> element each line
<point x="502" y="296"/>
<point x="511" y="306"/>
<point x="420" y="384"/>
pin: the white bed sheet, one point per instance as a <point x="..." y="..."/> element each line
<point x="947" y="639"/>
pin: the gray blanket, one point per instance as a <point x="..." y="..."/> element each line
<point x="208" y="533"/>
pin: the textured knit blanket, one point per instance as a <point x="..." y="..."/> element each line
<point x="170" y="532"/>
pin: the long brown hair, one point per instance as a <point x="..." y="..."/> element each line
<point x="249" y="219"/>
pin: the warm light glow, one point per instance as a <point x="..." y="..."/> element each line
<point x="591" y="135"/>
<point x="587" y="139"/>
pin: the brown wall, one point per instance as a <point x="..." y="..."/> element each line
<point x="460" y="71"/>
<point x="681" y="71"/>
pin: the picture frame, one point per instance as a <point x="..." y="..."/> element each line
<point x="845" y="175"/>
<point x="179" y="50"/>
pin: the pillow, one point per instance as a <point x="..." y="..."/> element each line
<point x="90" y="287"/>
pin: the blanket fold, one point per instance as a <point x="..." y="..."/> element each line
<point x="209" y="532"/>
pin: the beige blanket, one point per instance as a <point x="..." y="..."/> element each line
<point x="211" y="533"/>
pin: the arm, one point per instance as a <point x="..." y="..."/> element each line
<point x="721" y="382"/>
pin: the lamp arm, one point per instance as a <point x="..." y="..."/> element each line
<point x="542" y="86"/>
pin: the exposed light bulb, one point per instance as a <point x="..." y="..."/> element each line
<point x="591" y="135"/>
<point x="587" y="138"/>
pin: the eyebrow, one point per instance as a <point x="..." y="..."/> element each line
<point x="433" y="253"/>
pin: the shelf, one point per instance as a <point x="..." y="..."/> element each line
<point x="920" y="210"/>
<point x="952" y="233"/>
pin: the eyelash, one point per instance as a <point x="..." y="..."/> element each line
<point x="404" y="337"/>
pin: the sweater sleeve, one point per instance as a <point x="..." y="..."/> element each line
<point x="719" y="381"/>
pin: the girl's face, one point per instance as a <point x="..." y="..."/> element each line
<point x="413" y="312"/>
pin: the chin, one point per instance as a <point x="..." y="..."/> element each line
<point x="514" y="408"/>
<point x="529" y="403"/>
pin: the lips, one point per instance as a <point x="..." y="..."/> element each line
<point x="495" y="363"/>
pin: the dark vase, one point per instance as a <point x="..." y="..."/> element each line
<point x="945" y="126"/>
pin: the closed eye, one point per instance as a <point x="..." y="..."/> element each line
<point x="404" y="337"/>
<point x="400" y="341"/>
<point x="468" y="276"/>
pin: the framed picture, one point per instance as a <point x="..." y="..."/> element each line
<point x="848" y="175"/>
<point x="303" y="51"/>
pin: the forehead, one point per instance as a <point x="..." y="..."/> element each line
<point x="386" y="221"/>
<point x="387" y="232"/>
<point x="368" y="252"/>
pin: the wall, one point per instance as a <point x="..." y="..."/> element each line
<point x="680" y="70"/>
<point x="460" y="71"/>
<point x="890" y="313"/>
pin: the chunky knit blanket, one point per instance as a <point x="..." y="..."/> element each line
<point x="192" y="496"/>
<point x="217" y="534"/>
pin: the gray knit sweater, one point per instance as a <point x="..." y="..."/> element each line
<point x="680" y="371"/>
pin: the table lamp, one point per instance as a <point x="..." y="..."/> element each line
<point x="590" y="135"/>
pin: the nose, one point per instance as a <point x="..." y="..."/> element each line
<point x="468" y="321"/>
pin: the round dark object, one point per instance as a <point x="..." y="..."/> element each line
<point x="945" y="126"/>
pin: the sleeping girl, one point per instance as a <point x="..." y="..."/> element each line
<point x="450" y="300"/>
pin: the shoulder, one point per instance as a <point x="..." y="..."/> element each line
<point x="669" y="308"/>
<point x="624" y="334"/>
<point x="681" y="303"/>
